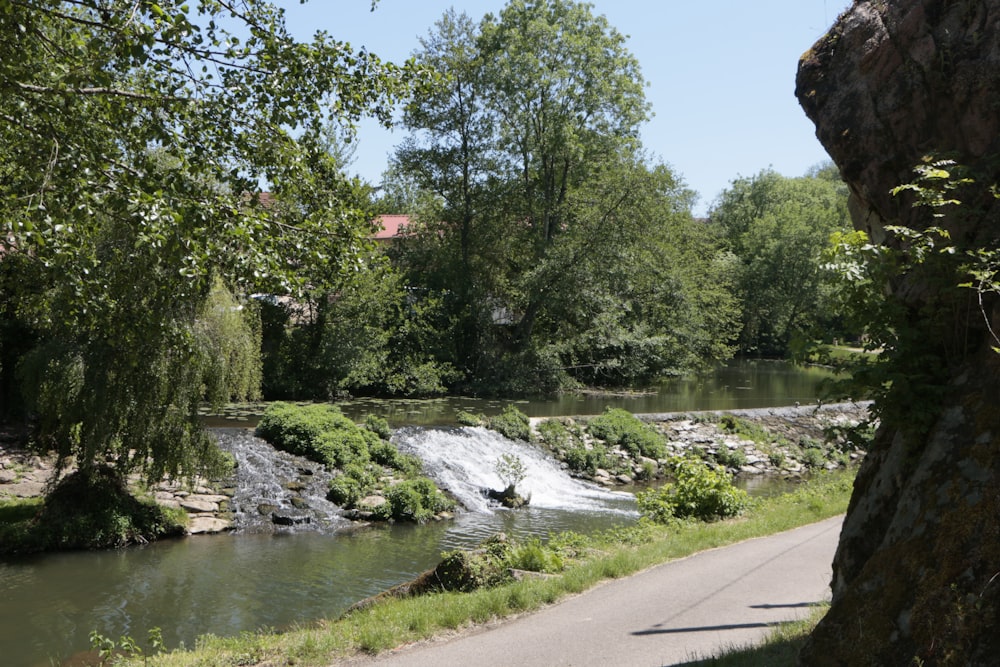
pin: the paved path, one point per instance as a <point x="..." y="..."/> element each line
<point x="666" y="615"/>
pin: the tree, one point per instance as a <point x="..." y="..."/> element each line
<point x="134" y="138"/>
<point x="553" y="241"/>
<point x="777" y="227"/>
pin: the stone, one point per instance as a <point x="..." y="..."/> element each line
<point x="288" y="519"/>
<point x="202" y="525"/>
<point x="198" y="505"/>
<point x="8" y="476"/>
<point x="371" y="502"/>
<point x="914" y="573"/>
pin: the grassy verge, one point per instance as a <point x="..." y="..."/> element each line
<point x="780" y="649"/>
<point x="611" y="554"/>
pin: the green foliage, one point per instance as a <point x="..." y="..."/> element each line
<point x="534" y="556"/>
<point x="379" y="426"/>
<point x="414" y="500"/>
<point x="777" y="229"/>
<point x="385" y="453"/>
<point x="698" y="492"/>
<point x="345" y="490"/>
<point x="89" y="510"/>
<point x="745" y="428"/>
<point x="526" y="226"/>
<point x="619" y="428"/>
<point x="469" y="419"/>
<point x="587" y="459"/>
<point x="731" y="458"/>
<point x="511" y="423"/>
<point x="135" y="135"/>
<point x="319" y="432"/>
<point x="511" y="470"/>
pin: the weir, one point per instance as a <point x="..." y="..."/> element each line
<point x="276" y="490"/>
<point x="463" y="460"/>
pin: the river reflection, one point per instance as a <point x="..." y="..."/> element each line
<point x="227" y="584"/>
<point x="743" y="384"/>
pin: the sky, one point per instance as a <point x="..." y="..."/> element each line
<point x="720" y="75"/>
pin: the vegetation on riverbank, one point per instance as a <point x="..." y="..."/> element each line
<point x="586" y="561"/>
<point x="369" y="466"/>
<point x="86" y="510"/>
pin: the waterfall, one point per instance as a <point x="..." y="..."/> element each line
<point x="462" y="460"/>
<point x="276" y="490"/>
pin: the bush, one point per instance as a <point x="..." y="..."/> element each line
<point x="731" y="458"/>
<point x="620" y="428"/>
<point x="413" y="500"/>
<point x="698" y="492"/>
<point x="345" y="491"/>
<point x="469" y="419"/>
<point x="813" y="458"/>
<point x="535" y="557"/>
<point x="297" y="429"/>
<point x="341" y="447"/>
<point x="511" y="423"/>
<point x="555" y="435"/>
<point x="385" y="453"/>
<point x="586" y="460"/>
<point x="379" y="426"/>
<point x="92" y="510"/>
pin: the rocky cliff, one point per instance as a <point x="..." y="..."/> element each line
<point x="917" y="572"/>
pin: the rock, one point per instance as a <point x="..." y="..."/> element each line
<point x="203" y="525"/>
<point x="371" y="502"/>
<point x="624" y="479"/>
<point x="914" y="573"/>
<point x="287" y="519"/>
<point x="198" y="505"/>
<point x="8" y="476"/>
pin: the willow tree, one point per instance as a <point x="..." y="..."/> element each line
<point x="134" y="135"/>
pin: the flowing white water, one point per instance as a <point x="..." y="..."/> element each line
<point x="463" y="460"/>
<point x="276" y="490"/>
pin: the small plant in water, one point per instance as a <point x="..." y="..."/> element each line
<point x="511" y="470"/>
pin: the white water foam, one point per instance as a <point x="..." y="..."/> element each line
<point x="463" y="460"/>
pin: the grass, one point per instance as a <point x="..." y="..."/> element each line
<point x="780" y="649"/>
<point x="612" y="554"/>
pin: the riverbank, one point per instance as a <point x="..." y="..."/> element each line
<point x="790" y="442"/>
<point x="588" y="560"/>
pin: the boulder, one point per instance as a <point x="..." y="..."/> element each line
<point x="915" y="571"/>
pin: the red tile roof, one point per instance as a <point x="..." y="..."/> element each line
<point x="391" y="226"/>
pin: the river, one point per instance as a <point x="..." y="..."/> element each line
<point x="227" y="584"/>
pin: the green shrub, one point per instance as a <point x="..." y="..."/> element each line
<point x="385" y="453"/>
<point x="365" y="477"/>
<point x="297" y="429"/>
<point x="556" y="435"/>
<point x="698" y="491"/>
<point x="744" y="428"/>
<point x="341" y="447"/>
<point x="776" y="458"/>
<point x="586" y="460"/>
<point x="813" y="458"/>
<point x="511" y="423"/>
<point x="89" y="510"/>
<point x="621" y="428"/>
<point x="469" y="419"/>
<point x="534" y="557"/>
<point x="731" y="458"/>
<point x="413" y="500"/>
<point x="345" y="491"/>
<point x="379" y="426"/>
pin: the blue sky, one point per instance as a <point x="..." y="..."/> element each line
<point x="721" y="75"/>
